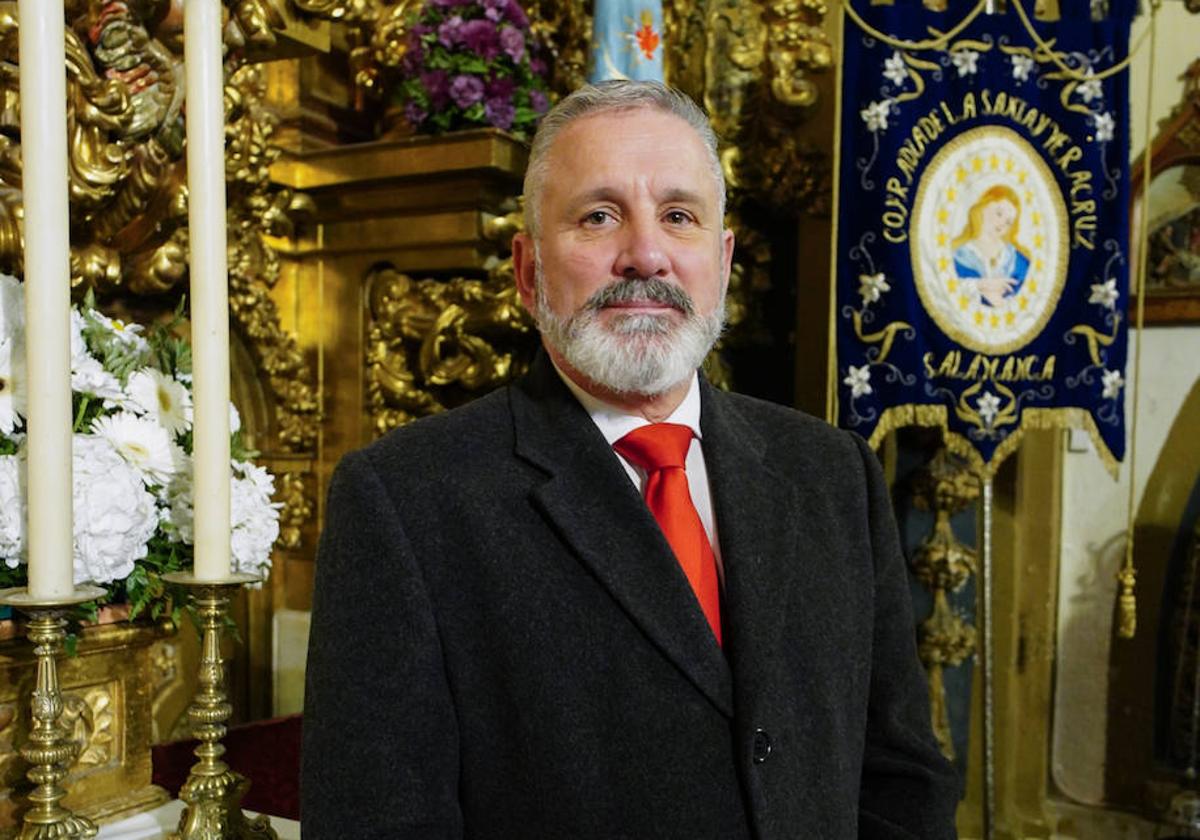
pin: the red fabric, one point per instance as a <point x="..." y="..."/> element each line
<point x="266" y="752"/>
<point x="661" y="450"/>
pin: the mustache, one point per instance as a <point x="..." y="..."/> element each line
<point x="641" y="290"/>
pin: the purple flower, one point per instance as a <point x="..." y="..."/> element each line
<point x="500" y="87"/>
<point x="414" y="56"/>
<point x="415" y="114"/>
<point x="495" y="10"/>
<point x="450" y="31"/>
<point x="538" y="100"/>
<point x="513" y="42"/>
<point x="420" y="30"/>
<point x="466" y="91"/>
<point x="437" y="83"/>
<point x="480" y="37"/>
<point x="537" y="67"/>
<point x="516" y="15"/>
<point x="499" y="112"/>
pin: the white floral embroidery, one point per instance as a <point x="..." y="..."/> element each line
<point x="1105" y="126"/>
<point x="1090" y="89"/>
<point x="894" y="70"/>
<point x="1112" y="383"/>
<point x="858" y="380"/>
<point x="1022" y="65"/>
<point x="989" y="406"/>
<point x="1105" y="294"/>
<point x="875" y="115"/>
<point x="967" y="61"/>
<point x="872" y="286"/>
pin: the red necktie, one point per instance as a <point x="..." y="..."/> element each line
<point x="661" y="450"/>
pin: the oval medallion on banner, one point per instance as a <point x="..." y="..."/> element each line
<point x="989" y="240"/>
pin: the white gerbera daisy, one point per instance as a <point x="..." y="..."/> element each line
<point x="12" y="384"/>
<point x="127" y="334"/>
<point x="161" y="398"/>
<point x="141" y="442"/>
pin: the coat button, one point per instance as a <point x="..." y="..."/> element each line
<point x="762" y="746"/>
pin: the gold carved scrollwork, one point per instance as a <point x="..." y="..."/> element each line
<point x="943" y="565"/>
<point x="433" y="344"/>
<point x="88" y="716"/>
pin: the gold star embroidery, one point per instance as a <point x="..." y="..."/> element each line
<point x="963" y="302"/>
<point x="978" y="318"/>
<point x="951" y="194"/>
<point x="994" y="321"/>
<point x="1037" y="265"/>
<point x="976" y="164"/>
<point x="1028" y="196"/>
<point x="942" y="264"/>
<point x="952" y="285"/>
<point x="1035" y="217"/>
<point x="1008" y="164"/>
<point x="1037" y="241"/>
<point x="1009" y="318"/>
<point x="961" y="174"/>
<point x="993" y="161"/>
<point x="941" y="237"/>
<point x="1022" y="303"/>
<point x="1021" y="176"/>
<point x="1033" y="287"/>
<point x="942" y="217"/>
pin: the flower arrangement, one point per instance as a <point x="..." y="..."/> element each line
<point x="132" y="464"/>
<point x="470" y="63"/>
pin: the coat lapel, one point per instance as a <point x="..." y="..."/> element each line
<point x="598" y="513"/>
<point x="756" y="512"/>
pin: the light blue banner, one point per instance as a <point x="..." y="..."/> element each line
<point x="627" y="40"/>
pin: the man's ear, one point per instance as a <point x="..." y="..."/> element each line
<point x="524" y="269"/>
<point x="726" y="255"/>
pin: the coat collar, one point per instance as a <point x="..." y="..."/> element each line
<point x="589" y="500"/>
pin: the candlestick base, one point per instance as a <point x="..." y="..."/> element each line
<point x="213" y="793"/>
<point x="49" y="751"/>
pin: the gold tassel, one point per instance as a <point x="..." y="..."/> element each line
<point x="1127" y="603"/>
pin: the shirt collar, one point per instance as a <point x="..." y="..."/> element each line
<point x="614" y="423"/>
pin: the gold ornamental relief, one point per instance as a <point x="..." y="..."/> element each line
<point x="434" y="344"/>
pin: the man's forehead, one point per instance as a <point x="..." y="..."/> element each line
<point x="601" y="150"/>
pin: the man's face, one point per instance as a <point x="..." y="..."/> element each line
<point x="629" y="205"/>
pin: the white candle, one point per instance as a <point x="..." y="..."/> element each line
<point x="47" y="297"/>
<point x="209" y="283"/>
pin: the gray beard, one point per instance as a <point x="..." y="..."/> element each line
<point x="641" y="353"/>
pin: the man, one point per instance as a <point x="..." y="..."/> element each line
<point x="529" y="622"/>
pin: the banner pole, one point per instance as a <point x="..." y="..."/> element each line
<point x="989" y="721"/>
<point x="831" y="366"/>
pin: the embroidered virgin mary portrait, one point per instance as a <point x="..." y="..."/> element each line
<point x="989" y="240"/>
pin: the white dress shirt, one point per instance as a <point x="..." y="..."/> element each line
<point x="614" y="423"/>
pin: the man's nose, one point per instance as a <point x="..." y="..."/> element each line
<point x="642" y="252"/>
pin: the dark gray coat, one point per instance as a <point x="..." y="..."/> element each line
<point x="503" y="645"/>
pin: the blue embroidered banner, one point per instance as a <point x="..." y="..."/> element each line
<point x="983" y="233"/>
<point x="627" y="40"/>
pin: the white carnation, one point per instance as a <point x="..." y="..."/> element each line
<point x="114" y="514"/>
<point x="12" y="510"/>
<point x="88" y="376"/>
<point x="12" y="308"/>
<point x="127" y="334"/>
<point x="254" y="518"/>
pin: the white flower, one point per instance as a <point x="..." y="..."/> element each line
<point x="114" y="514"/>
<point x="858" y="380"/>
<point x="1090" y="89"/>
<point x="162" y="398"/>
<point x="1105" y="126"/>
<point x="872" y="286"/>
<point x="12" y="510"/>
<point x="1112" y="381"/>
<point x="1105" y="293"/>
<point x="966" y="61"/>
<point x="142" y="443"/>
<point x="235" y="420"/>
<point x="894" y="70"/>
<point x="12" y="384"/>
<point x="989" y="406"/>
<point x="1022" y="65"/>
<point x="875" y="115"/>
<point x="127" y="334"/>
<point x="179" y="513"/>
<point x="12" y="308"/>
<point x="88" y="376"/>
<point x="253" y="516"/>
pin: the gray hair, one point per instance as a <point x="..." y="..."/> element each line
<point x="614" y="95"/>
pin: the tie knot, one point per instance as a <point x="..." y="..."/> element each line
<point x="656" y="446"/>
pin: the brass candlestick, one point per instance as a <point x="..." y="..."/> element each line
<point x="49" y="752"/>
<point x="213" y="793"/>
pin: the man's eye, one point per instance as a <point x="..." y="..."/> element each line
<point x="677" y="217"/>
<point x="597" y="217"/>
